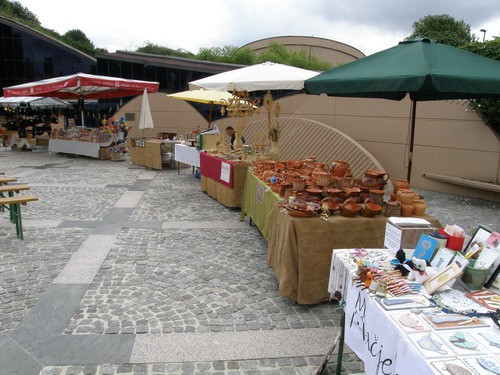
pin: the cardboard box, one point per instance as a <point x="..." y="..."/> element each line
<point x="406" y="237"/>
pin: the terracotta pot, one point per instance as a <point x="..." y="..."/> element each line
<point x="419" y="207"/>
<point x="275" y="188"/>
<point x="405" y="196"/>
<point x="336" y="194"/>
<point x="392" y="208"/>
<point x="322" y="178"/>
<point x="370" y="209"/>
<point x="401" y="184"/>
<point x="339" y="168"/>
<point x="336" y="182"/>
<point x="299" y="184"/>
<point x="406" y="210"/>
<point x="258" y="165"/>
<point x="370" y="180"/>
<point x="331" y="203"/>
<point x="345" y="182"/>
<point x="376" y="196"/>
<point x="349" y="208"/>
<point x="356" y="182"/>
<point x="269" y="165"/>
<point x="283" y="187"/>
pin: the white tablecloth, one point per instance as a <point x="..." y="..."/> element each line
<point x="187" y="155"/>
<point x="385" y="348"/>
<point x="75" y="147"/>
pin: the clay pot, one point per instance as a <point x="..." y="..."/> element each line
<point x="275" y="188"/>
<point x="336" y="194"/>
<point x="354" y="194"/>
<point x="419" y="207"/>
<point x="258" y="166"/>
<point x="356" y="182"/>
<point x="269" y="165"/>
<point x="283" y="187"/>
<point x="322" y="178"/>
<point x="406" y="210"/>
<point x="299" y="184"/>
<point x="405" y="196"/>
<point x="375" y="179"/>
<point x="345" y="182"/>
<point x="376" y="196"/>
<point x="392" y="208"/>
<point x="339" y="168"/>
<point x="370" y="180"/>
<point x="401" y="184"/>
<point x="370" y="209"/>
<point x="336" y="182"/>
<point x="331" y="203"/>
<point x="349" y="208"/>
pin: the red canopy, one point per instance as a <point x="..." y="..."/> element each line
<point x="82" y="84"/>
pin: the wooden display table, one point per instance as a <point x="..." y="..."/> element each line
<point x="151" y="154"/>
<point x="222" y="179"/>
<point x="300" y="249"/>
<point x="258" y="200"/>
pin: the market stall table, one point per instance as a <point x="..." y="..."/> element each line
<point x="90" y="149"/>
<point x="223" y="180"/>
<point x="300" y="249"/>
<point x="258" y="200"/>
<point x="386" y="346"/>
<point x="188" y="155"/>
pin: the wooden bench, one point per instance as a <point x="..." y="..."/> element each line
<point x="6" y="180"/>
<point x="13" y="204"/>
<point x="11" y="189"/>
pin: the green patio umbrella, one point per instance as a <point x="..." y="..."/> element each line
<point x="422" y="68"/>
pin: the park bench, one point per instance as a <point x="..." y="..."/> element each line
<point x="6" y="180"/>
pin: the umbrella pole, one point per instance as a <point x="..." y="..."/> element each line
<point x="210" y="115"/>
<point x="412" y="137"/>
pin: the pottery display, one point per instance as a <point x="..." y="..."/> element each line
<point x="375" y="179"/>
<point x="331" y="203"/>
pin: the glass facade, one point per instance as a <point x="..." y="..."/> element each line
<point x="25" y="57"/>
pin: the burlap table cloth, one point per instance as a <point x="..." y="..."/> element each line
<point x="300" y="249"/>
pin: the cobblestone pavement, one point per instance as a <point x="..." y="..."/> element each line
<point x="28" y="267"/>
<point x="155" y="281"/>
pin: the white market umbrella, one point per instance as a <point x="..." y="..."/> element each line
<point x="265" y="76"/>
<point x="34" y="101"/>
<point x="146" y="120"/>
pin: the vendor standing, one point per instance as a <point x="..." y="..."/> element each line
<point x="231" y="133"/>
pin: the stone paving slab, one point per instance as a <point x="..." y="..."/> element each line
<point x="27" y="268"/>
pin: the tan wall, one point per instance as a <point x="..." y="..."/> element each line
<point x="323" y="49"/>
<point x="449" y="140"/>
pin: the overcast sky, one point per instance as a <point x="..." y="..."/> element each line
<point x="368" y="25"/>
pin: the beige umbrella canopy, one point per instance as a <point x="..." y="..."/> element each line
<point x="204" y="96"/>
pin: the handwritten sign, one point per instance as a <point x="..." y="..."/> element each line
<point x="225" y="172"/>
<point x="392" y="240"/>
<point x="371" y="335"/>
<point x="259" y="193"/>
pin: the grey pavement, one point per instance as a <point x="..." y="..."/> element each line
<point x="125" y="270"/>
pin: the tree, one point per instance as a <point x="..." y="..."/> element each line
<point x="227" y="54"/>
<point x="156" y="49"/>
<point x="278" y="53"/>
<point x="15" y="10"/>
<point x="77" y="39"/>
<point x="444" y="29"/>
<point x="487" y="109"/>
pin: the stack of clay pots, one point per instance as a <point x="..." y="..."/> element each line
<point x="410" y="201"/>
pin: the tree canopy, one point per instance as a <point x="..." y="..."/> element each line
<point x="487" y="109"/>
<point x="444" y="29"/>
